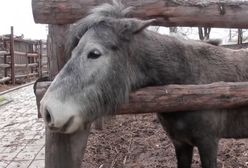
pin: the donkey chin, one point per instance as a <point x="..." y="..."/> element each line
<point x="64" y="117"/>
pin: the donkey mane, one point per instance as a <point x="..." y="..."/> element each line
<point x="101" y="13"/>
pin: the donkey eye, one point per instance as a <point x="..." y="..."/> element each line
<point x="94" y="54"/>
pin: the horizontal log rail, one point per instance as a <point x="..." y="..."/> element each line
<point x="26" y="65"/>
<point x="6" y="38"/>
<point x="2" y="53"/>
<point x="5" y="56"/>
<point x="19" y="53"/>
<point x="4" y="65"/>
<point x="5" y="79"/>
<point x="26" y="75"/>
<point x="45" y="72"/>
<point x="174" y="98"/>
<point x="19" y="65"/>
<point x="32" y="55"/>
<point x="207" y="13"/>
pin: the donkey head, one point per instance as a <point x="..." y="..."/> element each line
<point x="99" y="74"/>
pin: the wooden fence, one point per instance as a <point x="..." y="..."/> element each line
<point x="67" y="149"/>
<point x="21" y="60"/>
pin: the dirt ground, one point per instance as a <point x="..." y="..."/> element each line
<point x="140" y="142"/>
<point x="6" y="87"/>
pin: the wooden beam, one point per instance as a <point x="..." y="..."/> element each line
<point x="32" y="65"/>
<point x="5" y="61"/>
<point x="5" y="56"/>
<point x="40" y="58"/>
<point x="65" y="150"/>
<point x="44" y="73"/>
<point x="33" y="55"/>
<point x="26" y="65"/>
<point x="4" y="79"/>
<point x="19" y="53"/>
<point x="174" y="98"/>
<point x="12" y="55"/>
<point x="62" y="150"/>
<point x="2" y="53"/>
<point x="24" y="54"/>
<point x="207" y="13"/>
<point x="26" y="75"/>
<point x="4" y="66"/>
<point x="56" y="48"/>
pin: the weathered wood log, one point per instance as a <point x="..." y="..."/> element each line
<point x="207" y="13"/>
<point x="62" y="150"/>
<point x="19" y="53"/>
<point x="65" y="150"/>
<point x="4" y="79"/>
<point x="40" y="58"/>
<point x="173" y="98"/>
<point x="4" y="65"/>
<point x="33" y="55"/>
<point x="24" y="54"/>
<point x="26" y="65"/>
<point x="2" y="53"/>
<point x="56" y="48"/>
<point x="12" y="55"/>
<point x="26" y="75"/>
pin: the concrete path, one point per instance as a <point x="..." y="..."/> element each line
<point x="22" y="135"/>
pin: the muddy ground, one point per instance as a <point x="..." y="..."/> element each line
<point x="6" y="87"/>
<point x="140" y="142"/>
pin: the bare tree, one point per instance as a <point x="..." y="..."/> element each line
<point x="204" y="33"/>
<point x="240" y="36"/>
<point x="173" y="30"/>
<point x="154" y="28"/>
<point x="230" y="35"/>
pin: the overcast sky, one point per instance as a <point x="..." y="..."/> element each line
<point x="18" y="13"/>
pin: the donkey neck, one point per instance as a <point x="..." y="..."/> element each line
<point x="160" y="59"/>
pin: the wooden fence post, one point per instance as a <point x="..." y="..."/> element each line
<point x="40" y="59"/>
<point x="12" y="55"/>
<point x="5" y="58"/>
<point x="62" y="150"/>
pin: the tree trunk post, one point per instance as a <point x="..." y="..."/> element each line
<point x="62" y="150"/>
<point x="240" y="36"/>
<point x="12" y="55"/>
<point x="40" y="59"/>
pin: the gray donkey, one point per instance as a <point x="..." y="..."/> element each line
<point x="111" y="55"/>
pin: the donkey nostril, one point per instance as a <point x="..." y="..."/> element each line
<point x="48" y="117"/>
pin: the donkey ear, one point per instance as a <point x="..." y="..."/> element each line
<point x="136" y="25"/>
<point x="127" y="27"/>
<point x="142" y="24"/>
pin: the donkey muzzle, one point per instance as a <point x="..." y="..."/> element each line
<point x="63" y="117"/>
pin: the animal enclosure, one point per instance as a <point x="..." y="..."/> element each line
<point x="64" y="142"/>
<point x="21" y="60"/>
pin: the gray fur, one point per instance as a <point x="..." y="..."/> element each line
<point x="135" y="60"/>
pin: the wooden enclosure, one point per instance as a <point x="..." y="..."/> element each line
<point x="67" y="150"/>
<point x="21" y="60"/>
<point x="174" y="98"/>
<point x="204" y="13"/>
